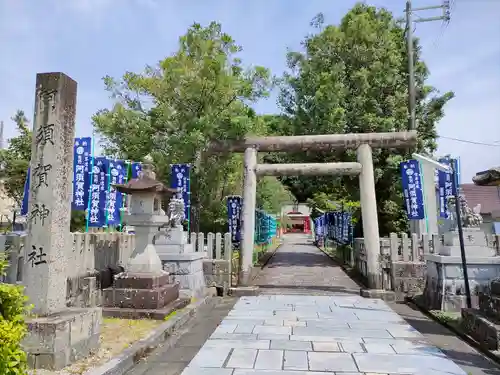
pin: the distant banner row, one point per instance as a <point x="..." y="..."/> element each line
<point x="336" y="226"/>
<point x="266" y="226"/>
<point x="412" y="181"/>
<point x="93" y="180"/>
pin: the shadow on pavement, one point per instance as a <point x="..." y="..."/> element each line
<point x="294" y="259"/>
<point x="472" y="361"/>
<point x="332" y="289"/>
<point x="425" y="326"/>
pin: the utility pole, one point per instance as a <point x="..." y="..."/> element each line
<point x="1" y="135"/>
<point x="410" y="20"/>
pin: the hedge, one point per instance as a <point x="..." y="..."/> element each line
<point x="13" y="310"/>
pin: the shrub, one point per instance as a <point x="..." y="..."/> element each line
<point x="13" y="359"/>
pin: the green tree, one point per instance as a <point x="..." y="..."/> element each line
<point x="15" y="159"/>
<point x="271" y="194"/>
<point x="352" y="78"/>
<point x="173" y="112"/>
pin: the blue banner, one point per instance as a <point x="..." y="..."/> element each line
<point x="445" y="191"/>
<point x="117" y="175"/>
<point x="99" y="192"/>
<point x="234" y="217"/>
<point x="412" y="189"/>
<point x="318" y="226"/>
<point x="26" y="194"/>
<point x="446" y="187"/>
<point x="82" y="152"/>
<point x="346" y="224"/>
<point x="336" y="226"/>
<point x="456" y="170"/>
<point x="179" y="178"/>
<point x="136" y="168"/>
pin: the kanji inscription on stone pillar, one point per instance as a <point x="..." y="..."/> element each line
<point x="49" y="212"/>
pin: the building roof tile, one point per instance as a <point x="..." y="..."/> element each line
<point x="487" y="196"/>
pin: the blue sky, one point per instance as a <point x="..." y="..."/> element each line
<point x="88" y="39"/>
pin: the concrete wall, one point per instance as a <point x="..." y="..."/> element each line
<point x="445" y="286"/>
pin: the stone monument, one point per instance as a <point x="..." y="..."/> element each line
<point x="474" y="238"/>
<point x="445" y="285"/>
<point x="57" y="335"/>
<point x="177" y="255"/>
<point x="144" y="289"/>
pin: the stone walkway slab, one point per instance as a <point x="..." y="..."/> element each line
<point x="300" y="267"/>
<point x="313" y="335"/>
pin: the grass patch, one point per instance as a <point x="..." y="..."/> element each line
<point x="116" y="336"/>
<point x="332" y="251"/>
<point x="260" y="250"/>
<point x="451" y="318"/>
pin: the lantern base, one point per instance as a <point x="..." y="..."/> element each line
<point x="140" y="291"/>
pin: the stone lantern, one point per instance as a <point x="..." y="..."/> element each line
<point x="144" y="285"/>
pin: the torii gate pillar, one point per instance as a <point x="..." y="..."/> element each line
<point x="362" y="142"/>
<point x="369" y="215"/>
<point x="248" y="215"/>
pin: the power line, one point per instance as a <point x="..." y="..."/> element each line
<point x="471" y="142"/>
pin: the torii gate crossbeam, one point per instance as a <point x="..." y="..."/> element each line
<point x="363" y="143"/>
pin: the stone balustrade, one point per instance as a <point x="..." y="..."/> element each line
<point x="93" y="252"/>
<point x="409" y="265"/>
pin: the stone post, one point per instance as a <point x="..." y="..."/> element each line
<point x="57" y="335"/>
<point x="369" y="215"/>
<point x="248" y="214"/>
<point x="48" y="239"/>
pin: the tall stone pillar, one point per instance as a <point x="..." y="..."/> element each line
<point x="48" y="241"/>
<point x="57" y="335"/>
<point x="248" y="214"/>
<point x="369" y="215"/>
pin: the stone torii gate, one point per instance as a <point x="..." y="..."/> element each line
<point x="362" y="142"/>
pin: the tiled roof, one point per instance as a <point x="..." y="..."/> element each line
<point x="487" y="196"/>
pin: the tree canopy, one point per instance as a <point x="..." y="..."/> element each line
<point x="174" y="110"/>
<point x="15" y="159"/>
<point x="352" y="78"/>
<point x="347" y="78"/>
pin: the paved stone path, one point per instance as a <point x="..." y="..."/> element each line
<point x="316" y="335"/>
<point x="326" y="329"/>
<point x="300" y="267"/>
